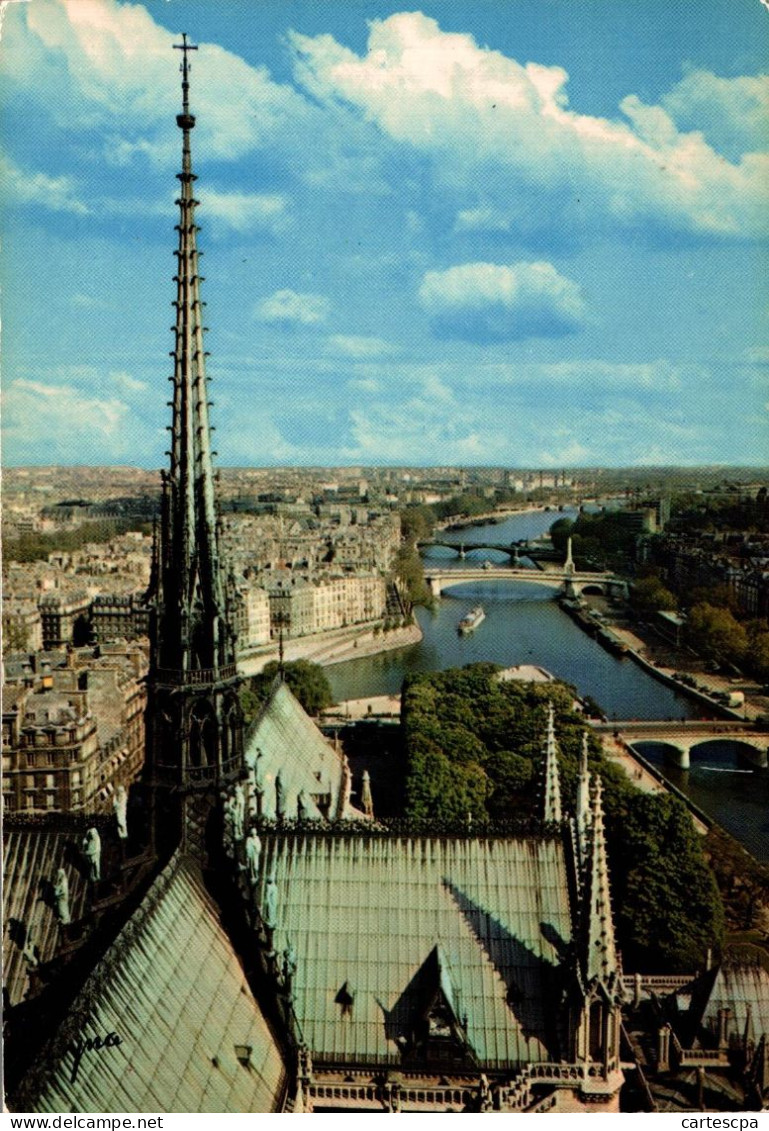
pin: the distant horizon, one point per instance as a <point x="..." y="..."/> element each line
<point x="529" y="234"/>
<point x="523" y="469"/>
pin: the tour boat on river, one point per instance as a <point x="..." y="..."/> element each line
<point x="470" y="622"/>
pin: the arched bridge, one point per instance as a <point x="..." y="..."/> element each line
<point x="562" y="581"/>
<point x="461" y="549"/>
<point x="684" y="737"/>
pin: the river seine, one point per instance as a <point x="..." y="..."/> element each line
<point x="524" y="625"/>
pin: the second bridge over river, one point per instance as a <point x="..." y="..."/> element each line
<point x="685" y="737"/>
<point x="557" y="577"/>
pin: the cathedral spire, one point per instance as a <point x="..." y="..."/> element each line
<point x="601" y="960"/>
<point x="201" y="635"/>
<point x="552" y="794"/>
<point x="194" y="720"/>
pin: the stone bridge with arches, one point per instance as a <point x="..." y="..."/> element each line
<point x="563" y="582"/>
<point x="684" y="737"/>
<point x="514" y="550"/>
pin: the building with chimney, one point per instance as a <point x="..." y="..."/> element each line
<point x="73" y="728"/>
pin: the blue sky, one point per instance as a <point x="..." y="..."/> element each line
<point x="529" y="233"/>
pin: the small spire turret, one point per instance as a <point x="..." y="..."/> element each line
<point x="600" y="958"/>
<point x="551" y="810"/>
<point x="583" y="813"/>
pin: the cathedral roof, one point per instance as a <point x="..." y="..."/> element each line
<point x="284" y="739"/>
<point x="743" y="989"/>
<point x="192" y="1037"/>
<point x="33" y="854"/>
<point x="370" y="916"/>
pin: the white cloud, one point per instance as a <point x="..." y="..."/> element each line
<point x="128" y="384"/>
<point x="479" y="116"/>
<point x="290" y="308"/>
<point x="59" y="194"/>
<point x="360" y="348"/>
<point x="89" y="302"/>
<point x="63" y="422"/>
<point x="475" y="113"/>
<point x="568" y="453"/>
<point x="115" y="59"/>
<point x="483" y="219"/>
<point x="757" y="355"/>
<point x="105" y="68"/>
<point x="733" y="114"/>
<point x="490" y="302"/>
<point x="246" y="212"/>
<point x="660" y="375"/>
<point x="365" y="385"/>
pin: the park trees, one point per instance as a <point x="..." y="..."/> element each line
<point x="307" y="681"/>
<point x="648" y="595"/>
<point x="716" y="634"/>
<point x="668" y="909"/>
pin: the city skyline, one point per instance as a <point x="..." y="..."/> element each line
<point x="460" y="235"/>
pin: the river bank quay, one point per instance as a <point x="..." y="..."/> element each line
<point x="332" y="647"/>
<point x="460" y="522"/>
<point x="653" y="655"/>
<point x="646" y="777"/>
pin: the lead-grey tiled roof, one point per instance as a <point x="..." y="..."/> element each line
<point x="291" y="743"/>
<point x="31" y="858"/>
<point x="369" y="910"/>
<point x="172" y="988"/>
<point x="736" y="987"/>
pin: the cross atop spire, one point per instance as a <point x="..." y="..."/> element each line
<point x="185" y="121"/>
<point x="184" y="46"/>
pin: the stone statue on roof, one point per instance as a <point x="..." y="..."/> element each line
<point x="228" y="821"/>
<point x="302" y="808"/>
<point x="346" y="788"/>
<point x="271" y="902"/>
<point x="253" y="771"/>
<point x="253" y="853"/>
<point x="366" y="799"/>
<point x="239" y="812"/>
<point x="305" y="1064"/>
<point x="31" y="951"/>
<point x="288" y="970"/>
<point x="256" y="807"/>
<point x="61" y="897"/>
<point x="255" y="791"/>
<point x="91" y="846"/>
<point x="280" y="797"/>
<point x="120" y="807"/>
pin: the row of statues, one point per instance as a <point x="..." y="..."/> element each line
<point x="236" y="810"/>
<point x="91" y="848"/>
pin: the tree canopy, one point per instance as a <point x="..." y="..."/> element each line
<point x="716" y="634"/>
<point x="306" y="680"/>
<point x="648" y="595"/>
<point x="597" y="539"/>
<point x="474" y="747"/>
<point x="37" y="547"/>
